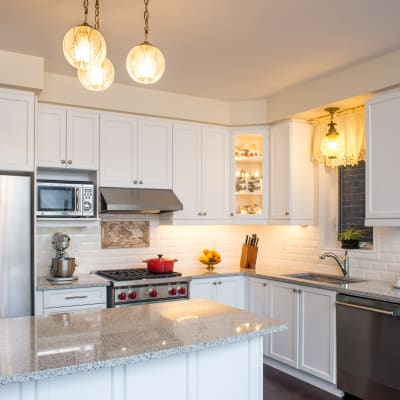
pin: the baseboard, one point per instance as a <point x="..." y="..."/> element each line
<point x="312" y="380"/>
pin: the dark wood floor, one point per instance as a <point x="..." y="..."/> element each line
<point x="280" y="386"/>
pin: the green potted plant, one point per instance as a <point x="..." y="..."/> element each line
<point x="351" y="237"/>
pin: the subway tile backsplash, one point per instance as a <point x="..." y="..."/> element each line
<point x="292" y="247"/>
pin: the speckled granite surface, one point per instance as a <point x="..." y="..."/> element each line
<point x="84" y="280"/>
<point x="33" y="348"/>
<point x="378" y="290"/>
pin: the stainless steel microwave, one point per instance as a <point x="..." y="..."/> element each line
<point x="65" y="199"/>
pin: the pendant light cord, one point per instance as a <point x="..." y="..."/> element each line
<point x="146" y="20"/>
<point x="86" y="8"/>
<point x="97" y="15"/>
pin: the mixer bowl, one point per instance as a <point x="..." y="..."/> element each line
<point x="62" y="267"/>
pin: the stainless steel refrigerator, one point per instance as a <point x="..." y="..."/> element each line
<point x="16" y="244"/>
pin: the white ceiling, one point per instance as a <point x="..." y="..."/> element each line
<point x="220" y="49"/>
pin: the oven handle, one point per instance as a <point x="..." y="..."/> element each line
<point x="365" y="308"/>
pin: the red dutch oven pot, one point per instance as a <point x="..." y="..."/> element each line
<point x="160" y="265"/>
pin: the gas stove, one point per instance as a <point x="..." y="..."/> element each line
<point x="135" y="286"/>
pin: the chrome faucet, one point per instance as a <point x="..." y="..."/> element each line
<point x="344" y="264"/>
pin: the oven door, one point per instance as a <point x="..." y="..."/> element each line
<point x="59" y="199"/>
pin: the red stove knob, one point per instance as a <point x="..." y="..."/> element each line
<point x="122" y="296"/>
<point x="153" y="293"/>
<point x="132" y="295"/>
<point x="182" y="290"/>
<point x="172" y="291"/>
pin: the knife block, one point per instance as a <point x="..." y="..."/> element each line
<point x="248" y="258"/>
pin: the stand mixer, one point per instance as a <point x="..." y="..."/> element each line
<point x="62" y="267"/>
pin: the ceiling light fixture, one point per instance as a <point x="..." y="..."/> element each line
<point x="145" y="62"/>
<point x="97" y="77"/>
<point x="83" y="45"/>
<point x="332" y="145"/>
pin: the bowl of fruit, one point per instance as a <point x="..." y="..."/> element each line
<point x="210" y="258"/>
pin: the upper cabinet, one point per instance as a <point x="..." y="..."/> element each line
<point x="249" y="183"/>
<point x="291" y="174"/>
<point x="17" y="126"/>
<point x="201" y="171"/>
<point x="382" y="151"/>
<point x="135" y="152"/>
<point x="67" y="138"/>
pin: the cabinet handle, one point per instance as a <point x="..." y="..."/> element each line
<point x="287" y="213"/>
<point x="200" y="214"/>
<point x="219" y="282"/>
<point x="62" y="161"/>
<point x="141" y="182"/>
<point x="214" y="283"/>
<point x="204" y="213"/>
<point x="294" y="290"/>
<point x="69" y="162"/>
<point x="135" y="181"/>
<point x="232" y="214"/>
<point x="75" y="297"/>
<point x="264" y="284"/>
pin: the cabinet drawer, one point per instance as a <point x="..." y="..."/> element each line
<point x="74" y="297"/>
<point x="58" y="310"/>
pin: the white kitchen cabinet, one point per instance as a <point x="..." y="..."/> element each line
<point x="228" y="290"/>
<point x="382" y="148"/>
<point x="249" y="182"/>
<point x="257" y="301"/>
<point x="17" y="127"/>
<point x="201" y="171"/>
<point x="291" y="174"/>
<point x="67" y="300"/>
<point x="67" y="138"/>
<point x="135" y="152"/>
<point x="309" y="344"/>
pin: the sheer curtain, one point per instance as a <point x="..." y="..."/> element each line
<point x="351" y="127"/>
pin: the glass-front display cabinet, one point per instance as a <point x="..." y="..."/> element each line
<point x="249" y="174"/>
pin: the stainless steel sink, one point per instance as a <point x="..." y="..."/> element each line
<point x="332" y="279"/>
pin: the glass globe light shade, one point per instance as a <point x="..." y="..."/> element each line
<point x="84" y="47"/>
<point x="331" y="146"/>
<point x="145" y="63"/>
<point x="98" y="77"/>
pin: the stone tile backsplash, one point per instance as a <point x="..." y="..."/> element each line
<point x="293" y="247"/>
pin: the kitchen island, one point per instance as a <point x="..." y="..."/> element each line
<point x="189" y="349"/>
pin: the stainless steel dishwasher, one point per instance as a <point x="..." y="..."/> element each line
<point x="368" y="347"/>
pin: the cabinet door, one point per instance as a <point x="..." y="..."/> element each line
<point x="258" y="296"/>
<point x="82" y="139"/>
<point x="17" y="125"/>
<point x="118" y="149"/>
<point x="155" y="154"/>
<point x="187" y="169"/>
<point x="230" y="291"/>
<point x="280" y="171"/>
<point x="283" y="305"/>
<point x="203" y="289"/>
<point x="318" y="333"/>
<point x="215" y="173"/>
<point x="51" y="137"/>
<point x="383" y="143"/>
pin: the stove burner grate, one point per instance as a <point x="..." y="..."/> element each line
<point x="132" y="274"/>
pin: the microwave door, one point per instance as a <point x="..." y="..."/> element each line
<point x="59" y="201"/>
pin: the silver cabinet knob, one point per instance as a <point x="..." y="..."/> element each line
<point x="294" y="290"/>
<point x="204" y="213"/>
<point x="62" y="161"/>
<point x="232" y="214"/>
<point x="287" y="213"/>
<point x="219" y="282"/>
<point x="141" y="182"/>
<point x="69" y="162"/>
<point x="200" y="214"/>
<point x="135" y="181"/>
<point x="214" y="283"/>
<point x="264" y="284"/>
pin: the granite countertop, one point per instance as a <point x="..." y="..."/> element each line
<point x="373" y="289"/>
<point x="84" y="280"/>
<point x="35" y="348"/>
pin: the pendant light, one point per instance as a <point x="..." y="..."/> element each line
<point x="83" y="45"/>
<point x="145" y="62"/>
<point x="97" y="77"/>
<point x="332" y="146"/>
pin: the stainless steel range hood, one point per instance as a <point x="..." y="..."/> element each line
<point x="138" y="201"/>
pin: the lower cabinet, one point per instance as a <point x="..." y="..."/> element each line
<point x="309" y="344"/>
<point x="67" y="300"/>
<point x="228" y="290"/>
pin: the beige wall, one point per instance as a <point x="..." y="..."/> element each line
<point x="21" y="70"/>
